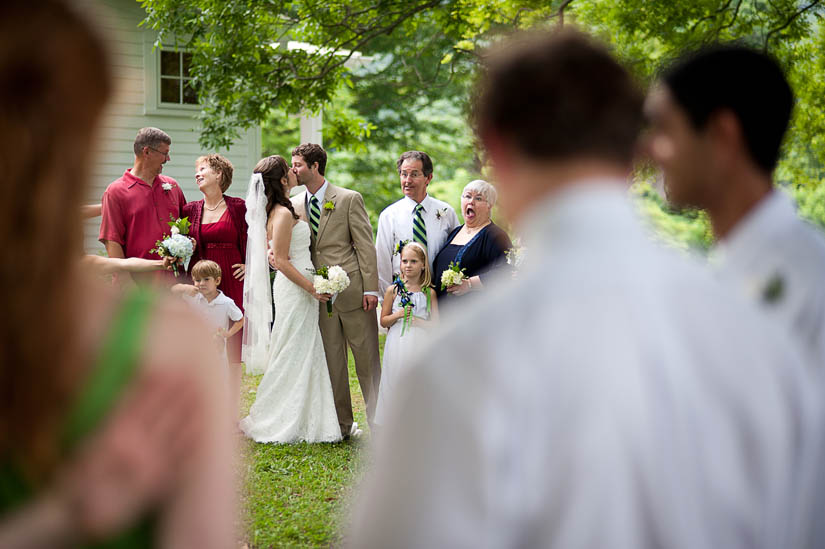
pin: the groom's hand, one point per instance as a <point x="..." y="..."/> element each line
<point x="370" y="303"/>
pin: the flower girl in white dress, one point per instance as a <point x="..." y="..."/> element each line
<point x="409" y="308"/>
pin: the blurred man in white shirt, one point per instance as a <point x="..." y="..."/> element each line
<point x="717" y="140"/>
<point x="613" y="395"/>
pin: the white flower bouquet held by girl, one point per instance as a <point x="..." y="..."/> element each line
<point x="177" y="245"/>
<point x="452" y="276"/>
<point x="330" y="280"/>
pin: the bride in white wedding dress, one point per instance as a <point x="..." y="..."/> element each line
<point x="294" y="401"/>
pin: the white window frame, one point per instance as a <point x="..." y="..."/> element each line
<point x="151" y="81"/>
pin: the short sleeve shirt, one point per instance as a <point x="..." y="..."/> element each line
<point x="136" y="214"/>
<point x="219" y="312"/>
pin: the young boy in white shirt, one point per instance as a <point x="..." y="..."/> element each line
<point x="220" y="311"/>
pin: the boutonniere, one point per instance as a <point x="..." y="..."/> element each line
<point x="166" y="187"/>
<point x="400" y="246"/>
<point x="440" y="213"/>
<point x="329" y="205"/>
<point x="774" y="290"/>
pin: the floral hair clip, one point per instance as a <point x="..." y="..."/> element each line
<point x="400" y="246"/>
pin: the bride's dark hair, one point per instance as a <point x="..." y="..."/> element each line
<point x="273" y="169"/>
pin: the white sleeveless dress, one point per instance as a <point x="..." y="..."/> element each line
<point x="398" y="350"/>
<point x="294" y="401"/>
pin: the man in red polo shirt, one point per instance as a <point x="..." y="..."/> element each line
<point x="138" y="205"/>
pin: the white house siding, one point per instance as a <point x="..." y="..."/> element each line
<point x="134" y="106"/>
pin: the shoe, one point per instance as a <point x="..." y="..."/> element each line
<point x="354" y="432"/>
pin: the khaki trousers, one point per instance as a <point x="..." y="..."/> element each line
<point x="357" y="329"/>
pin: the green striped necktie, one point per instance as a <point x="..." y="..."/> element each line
<point x="419" y="228"/>
<point x="314" y="215"/>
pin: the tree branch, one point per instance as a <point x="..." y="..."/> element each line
<point x="787" y="23"/>
<point x="709" y="17"/>
<point x="560" y="12"/>
<point x="732" y="20"/>
<point x="329" y="66"/>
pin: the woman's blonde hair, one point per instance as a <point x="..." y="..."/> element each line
<point x="426" y="275"/>
<point x="221" y="166"/>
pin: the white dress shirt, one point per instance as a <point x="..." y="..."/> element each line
<point x="778" y="260"/>
<point x="613" y="395"/>
<point x="221" y="312"/>
<point x="319" y="194"/>
<point x="396" y="223"/>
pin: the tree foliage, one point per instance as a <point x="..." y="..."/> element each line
<point x="397" y="74"/>
<point x="428" y="49"/>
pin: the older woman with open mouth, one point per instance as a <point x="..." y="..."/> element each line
<point x="477" y="246"/>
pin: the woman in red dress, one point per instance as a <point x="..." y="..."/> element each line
<point x="219" y="227"/>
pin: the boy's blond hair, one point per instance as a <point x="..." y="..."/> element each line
<point x="426" y="276"/>
<point x="205" y="268"/>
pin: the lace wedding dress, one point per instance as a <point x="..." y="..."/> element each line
<point x="294" y="401"/>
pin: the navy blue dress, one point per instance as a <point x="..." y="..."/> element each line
<point x="483" y="256"/>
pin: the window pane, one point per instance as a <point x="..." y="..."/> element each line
<point x="169" y="90"/>
<point x="187" y="62"/>
<point x="170" y="63"/>
<point x="190" y="95"/>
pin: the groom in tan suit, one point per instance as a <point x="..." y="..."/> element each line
<point x="342" y="235"/>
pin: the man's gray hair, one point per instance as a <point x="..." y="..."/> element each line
<point x="484" y="189"/>
<point x="152" y="138"/>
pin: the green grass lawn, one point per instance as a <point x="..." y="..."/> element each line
<point x="297" y="495"/>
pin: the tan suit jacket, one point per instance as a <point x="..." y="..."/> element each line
<point x="345" y="239"/>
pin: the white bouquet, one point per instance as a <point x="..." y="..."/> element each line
<point x="177" y="244"/>
<point x="330" y="280"/>
<point x="452" y="276"/>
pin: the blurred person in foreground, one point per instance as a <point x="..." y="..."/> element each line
<point x="599" y="400"/>
<point x="718" y="144"/>
<point x="113" y="421"/>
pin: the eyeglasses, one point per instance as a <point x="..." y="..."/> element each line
<point x="413" y="174"/>
<point x="166" y="154"/>
<point x="476" y="198"/>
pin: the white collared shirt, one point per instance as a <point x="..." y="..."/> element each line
<point x="396" y="223"/>
<point x="220" y="312"/>
<point x="778" y="260"/>
<point x="320" y="194"/>
<point x="613" y="395"/>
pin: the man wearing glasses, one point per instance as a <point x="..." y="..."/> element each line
<point x="138" y="205"/>
<point x="417" y="217"/>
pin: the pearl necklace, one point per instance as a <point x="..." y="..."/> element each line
<point x="212" y="209"/>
